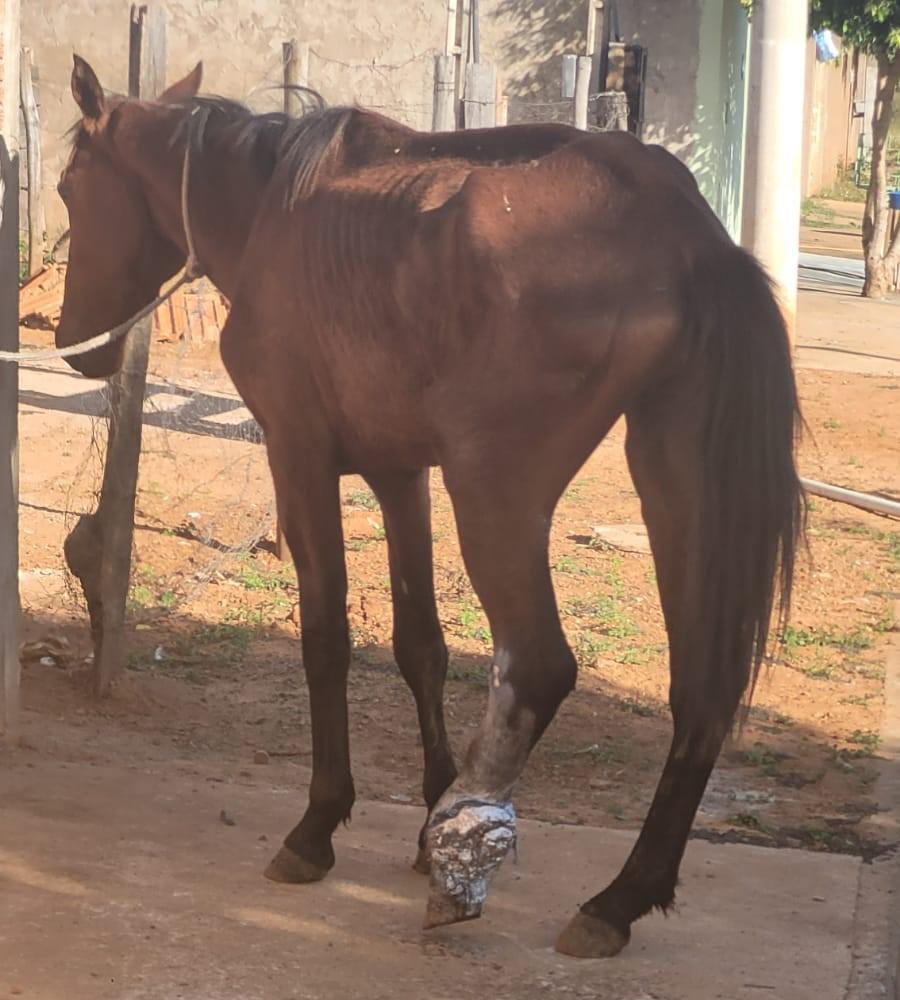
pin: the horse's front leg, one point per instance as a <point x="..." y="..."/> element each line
<point x="309" y="511"/>
<point x="419" y="646"/>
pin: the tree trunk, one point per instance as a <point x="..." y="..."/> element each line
<point x="880" y="268"/>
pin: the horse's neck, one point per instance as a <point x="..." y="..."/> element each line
<point x="224" y="191"/>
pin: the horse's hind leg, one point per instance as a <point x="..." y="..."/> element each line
<point x="665" y="460"/>
<point x="419" y="646"/>
<point x="504" y="534"/>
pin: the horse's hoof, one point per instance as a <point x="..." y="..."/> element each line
<point x="287" y="866"/>
<point x="590" y="937"/>
<point x="422" y="864"/>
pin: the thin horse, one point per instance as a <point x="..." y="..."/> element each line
<point x="489" y="302"/>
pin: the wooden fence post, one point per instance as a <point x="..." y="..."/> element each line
<point x="296" y="73"/>
<point x="444" y="114"/>
<point x="480" y="102"/>
<point x="10" y="673"/>
<point x="146" y="67"/>
<point x="98" y="550"/>
<point x="37" y="225"/>
<point x="583" y="68"/>
<point x="295" y="59"/>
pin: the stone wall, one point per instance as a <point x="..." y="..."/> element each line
<point x="379" y="54"/>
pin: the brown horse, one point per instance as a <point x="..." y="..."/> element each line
<point x="489" y="302"/>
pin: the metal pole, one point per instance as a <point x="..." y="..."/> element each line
<point x="877" y="505"/>
<point x="771" y="223"/>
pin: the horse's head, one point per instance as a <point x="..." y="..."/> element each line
<point x="118" y="256"/>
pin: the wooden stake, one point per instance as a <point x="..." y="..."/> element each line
<point x="37" y="225"/>
<point x="115" y="511"/>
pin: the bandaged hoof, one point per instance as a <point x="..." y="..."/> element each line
<point x="467" y="843"/>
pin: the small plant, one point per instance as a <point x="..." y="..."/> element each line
<point x="570" y="565"/>
<point x="613" y="621"/>
<point x="467" y="671"/>
<point x="747" y="821"/>
<point x="232" y="639"/>
<point x="140" y="598"/>
<point x="865" y="741"/>
<point x="764" y="758"/>
<point x="846" y="642"/>
<point x="819" y="671"/>
<point x="252" y="576"/>
<point x="796" y="638"/>
<point x="364" y="499"/>
<point x="638" y="656"/>
<point x="831" y="424"/>
<point x="637" y="707"/>
<point x="588" y="648"/>
<point x="471" y="621"/>
<point x="250" y="618"/>
<point x="893" y="546"/>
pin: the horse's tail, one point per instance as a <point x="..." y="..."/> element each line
<point x="752" y="508"/>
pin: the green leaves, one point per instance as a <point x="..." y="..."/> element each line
<point x="871" y="25"/>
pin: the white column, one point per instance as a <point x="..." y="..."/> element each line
<point x="774" y="148"/>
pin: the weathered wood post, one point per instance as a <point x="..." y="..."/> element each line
<point x="444" y="114"/>
<point x="9" y="376"/>
<point x="480" y="102"/>
<point x="146" y="78"/>
<point x="98" y="550"/>
<point x="36" y="222"/>
<point x="295" y="63"/>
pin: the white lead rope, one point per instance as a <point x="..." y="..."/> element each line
<point x="191" y="272"/>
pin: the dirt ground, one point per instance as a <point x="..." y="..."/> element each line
<point x="214" y="672"/>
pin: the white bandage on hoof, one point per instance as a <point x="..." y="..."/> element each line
<point x="467" y="843"/>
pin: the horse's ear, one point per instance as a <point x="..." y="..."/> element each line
<point x="185" y="89"/>
<point x="87" y="91"/>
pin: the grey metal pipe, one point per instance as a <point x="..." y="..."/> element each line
<point x="877" y="505"/>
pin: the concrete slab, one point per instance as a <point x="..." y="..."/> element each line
<point x="120" y="883"/>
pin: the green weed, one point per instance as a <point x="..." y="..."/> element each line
<point x="364" y="499"/>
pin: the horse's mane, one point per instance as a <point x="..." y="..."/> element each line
<point x="297" y="147"/>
